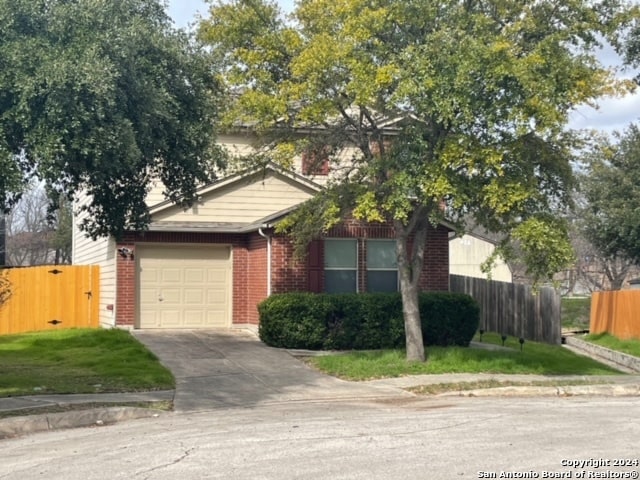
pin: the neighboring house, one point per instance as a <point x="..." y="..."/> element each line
<point x="468" y="252"/>
<point x="210" y="266"/>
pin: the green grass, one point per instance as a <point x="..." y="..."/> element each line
<point x="575" y="313"/>
<point x="536" y="358"/>
<point x="632" y="347"/>
<point x="78" y="361"/>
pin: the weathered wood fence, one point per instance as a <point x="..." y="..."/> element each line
<point x="50" y="297"/>
<point x="514" y="309"/>
<point x="617" y="313"/>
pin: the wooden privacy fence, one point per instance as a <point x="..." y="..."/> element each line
<point x="50" y="297"/>
<point x="513" y="309"/>
<point x="617" y="313"/>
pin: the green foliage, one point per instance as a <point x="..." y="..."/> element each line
<point x="363" y="321"/>
<point x="545" y="245"/>
<point x="290" y="320"/>
<point x="477" y="95"/>
<point x="103" y="96"/>
<point x="5" y="286"/>
<point x="611" y="188"/>
<point x="420" y="102"/>
<point x="448" y="318"/>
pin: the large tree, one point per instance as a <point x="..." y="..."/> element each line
<point x="610" y="217"/>
<point x="100" y="97"/>
<point x="461" y="102"/>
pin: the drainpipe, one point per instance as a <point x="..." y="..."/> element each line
<point x="268" y="237"/>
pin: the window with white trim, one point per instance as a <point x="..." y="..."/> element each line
<point x="382" y="266"/>
<point x="340" y="265"/>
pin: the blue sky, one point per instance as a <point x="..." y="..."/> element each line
<point x="613" y="114"/>
<point x="184" y="12"/>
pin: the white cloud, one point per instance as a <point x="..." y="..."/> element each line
<point x="612" y="114"/>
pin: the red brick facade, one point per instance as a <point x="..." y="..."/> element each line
<point x="249" y="253"/>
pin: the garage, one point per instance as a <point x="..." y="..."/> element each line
<point x="184" y="286"/>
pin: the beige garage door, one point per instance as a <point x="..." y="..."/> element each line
<point x="184" y="287"/>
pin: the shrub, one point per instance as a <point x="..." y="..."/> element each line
<point x="364" y="321"/>
<point x="294" y="320"/>
<point x="448" y="318"/>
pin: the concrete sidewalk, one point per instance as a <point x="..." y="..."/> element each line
<point x="226" y="369"/>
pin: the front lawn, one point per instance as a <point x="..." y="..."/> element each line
<point x="631" y="347"/>
<point x="535" y="358"/>
<point x="78" y="361"/>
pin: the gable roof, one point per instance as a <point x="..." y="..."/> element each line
<point x="220" y="227"/>
<point x="238" y="177"/>
<point x="228" y="205"/>
<point x="236" y="180"/>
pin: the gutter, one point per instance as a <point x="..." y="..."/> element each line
<point x="268" y="237"/>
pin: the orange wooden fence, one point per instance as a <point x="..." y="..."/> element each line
<point x="50" y="297"/>
<point x="617" y="313"/>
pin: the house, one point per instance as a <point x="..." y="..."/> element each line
<point x="210" y="266"/>
<point x="469" y="251"/>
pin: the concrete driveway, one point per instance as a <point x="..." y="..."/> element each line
<point x="222" y="368"/>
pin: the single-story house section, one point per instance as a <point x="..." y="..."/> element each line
<point x="469" y="251"/>
<point x="211" y="265"/>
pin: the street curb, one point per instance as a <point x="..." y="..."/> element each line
<point x="563" y="391"/>
<point x="16" y="426"/>
<point x="617" y="359"/>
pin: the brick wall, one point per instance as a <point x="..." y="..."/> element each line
<point x="289" y="274"/>
<point x="435" y="273"/>
<point x="126" y="286"/>
<point x="126" y="293"/>
<point x="255" y="278"/>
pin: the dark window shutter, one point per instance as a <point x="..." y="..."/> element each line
<point x="315" y="266"/>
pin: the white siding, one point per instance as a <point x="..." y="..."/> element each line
<point x="97" y="252"/>
<point x="466" y="254"/>
<point x="245" y="201"/>
<point x="236" y="145"/>
<point x="239" y="145"/>
<point x="155" y="195"/>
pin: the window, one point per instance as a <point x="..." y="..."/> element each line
<point x="340" y="266"/>
<point x="382" y="266"/>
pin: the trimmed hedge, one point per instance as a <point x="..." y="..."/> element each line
<point x="364" y="321"/>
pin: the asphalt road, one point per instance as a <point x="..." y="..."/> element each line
<point x="447" y="438"/>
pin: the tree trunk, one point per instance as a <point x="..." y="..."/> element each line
<point x="412" y="323"/>
<point x="409" y="269"/>
<point x="616" y="270"/>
